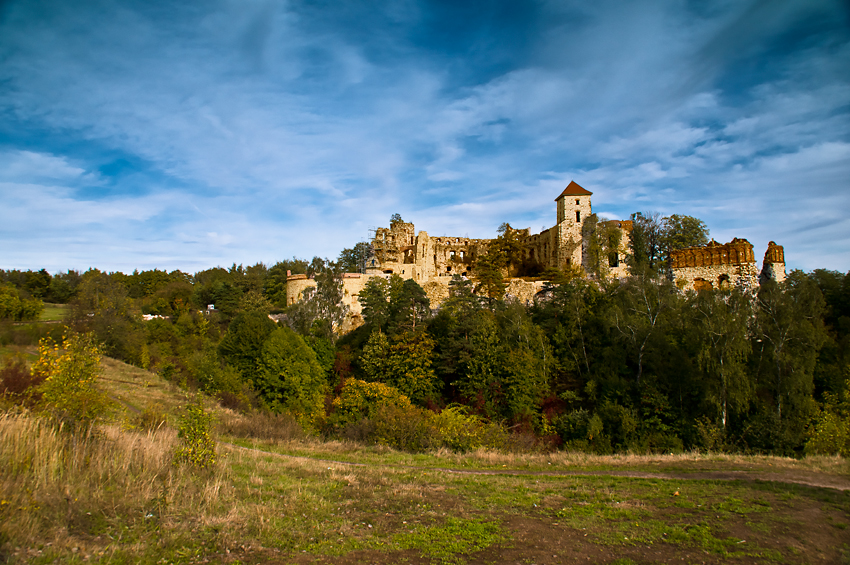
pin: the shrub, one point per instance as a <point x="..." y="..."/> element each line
<point x="197" y="445"/>
<point x="17" y="382"/>
<point x="712" y="435"/>
<point x="69" y="371"/>
<point x="405" y="427"/>
<point x="829" y="432"/>
<point x="460" y="431"/>
<point x="359" y="399"/>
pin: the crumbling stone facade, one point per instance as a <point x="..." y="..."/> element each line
<point x="617" y="266"/>
<point x="773" y="266"/>
<point x="718" y="265"/>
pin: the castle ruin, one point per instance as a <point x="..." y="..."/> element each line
<point x="433" y="261"/>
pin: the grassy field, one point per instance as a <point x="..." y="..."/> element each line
<point x="115" y="496"/>
<point x="53" y="312"/>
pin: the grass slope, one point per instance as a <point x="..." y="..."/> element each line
<point x="115" y="496"/>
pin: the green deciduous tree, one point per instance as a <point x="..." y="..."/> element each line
<point x="505" y="375"/>
<point x="17" y="308"/>
<point x="241" y="346"/>
<point x="394" y="305"/>
<point x="680" y="231"/>
<point x="721" y="330"/>
<point x="274" y="286"/>
<point x="403" y="362"/>
<point x="490" y="282"/>
<point x="103" y="305"/>
<point x="321" y="310"/>
<point x="290" y="379"/>
<point x="354" y="260"/>
<point x="791" y="332"/>
<point x="653" y="238"/>
<point x="638" y="314"/>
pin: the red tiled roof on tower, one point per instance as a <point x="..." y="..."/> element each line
<point x="573" y="189"/>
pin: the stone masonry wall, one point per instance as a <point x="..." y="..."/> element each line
<point x="715" y="265"/>
<point x="773" y="267"/>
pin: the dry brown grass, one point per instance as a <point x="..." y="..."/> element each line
<point x="276" y="428"/>
<point x="59" y="487"/>
<point x="135" y="390"/>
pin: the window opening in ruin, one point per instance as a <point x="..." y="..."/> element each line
<point x="452" y="255"/>
<point x="578" y="216"/>
<point x="448" y="269"/>
<point x="568" y="260"/>
<point x="461" y="255"/>
<point x="723" y="280"/>
<point x="613" y="260"/>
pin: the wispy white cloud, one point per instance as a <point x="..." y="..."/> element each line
<point x="265" y="130"/>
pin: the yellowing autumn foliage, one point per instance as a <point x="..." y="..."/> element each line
<point x="360" y="399"/>
<point x="70" y="370"/>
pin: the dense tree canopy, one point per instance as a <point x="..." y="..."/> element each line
<point x="592" y="363"/>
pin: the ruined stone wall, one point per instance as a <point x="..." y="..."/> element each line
<point x="619" y="269"/>
<point x="717" y="276"/>
<point x="424" y="258"/>
<point x="522" y="290"/>
<point x="736" y="252"/>
<point x="715" y="265"/>
<point x="543" y="247"/>
<point x="395" y="243"/>
<point x="773" y="267"/>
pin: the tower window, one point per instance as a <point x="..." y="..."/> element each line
<point x="578" y="216"/>
<point x="577" y="202"/>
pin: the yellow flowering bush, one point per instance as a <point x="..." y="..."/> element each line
<point x="70" y="370"/>
<point x="197" y="445"/>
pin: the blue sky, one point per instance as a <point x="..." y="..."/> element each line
<point x="185" y="135"/>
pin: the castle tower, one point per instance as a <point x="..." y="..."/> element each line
<point x="773" y="267"/>
<point x="573" y="209"/>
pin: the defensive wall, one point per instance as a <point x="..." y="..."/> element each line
<point x="717" y="265"/>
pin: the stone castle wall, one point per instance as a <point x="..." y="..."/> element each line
<point x="716" y="265"/>
<point x="773" y="266"/>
